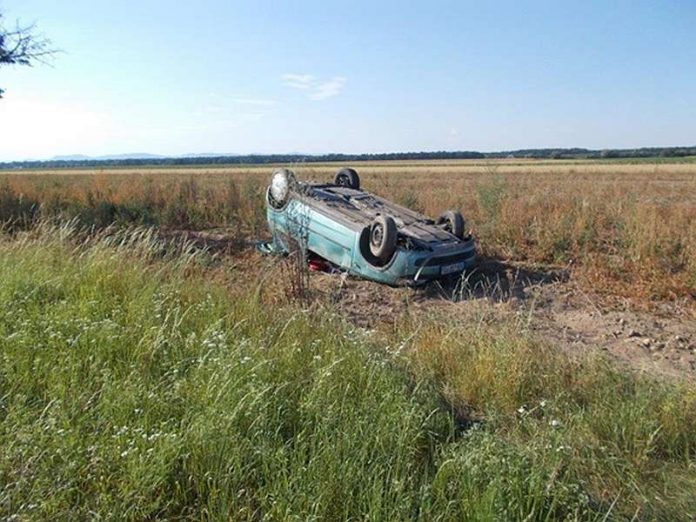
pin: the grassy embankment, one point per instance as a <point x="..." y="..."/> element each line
<point x="132" y="386"/>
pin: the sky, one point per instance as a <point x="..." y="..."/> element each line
<point x="238" y="77"/>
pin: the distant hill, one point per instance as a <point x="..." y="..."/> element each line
<point x="74" y="157"/>
<point x="143" y="159"/>
<point x="131" y="156"/>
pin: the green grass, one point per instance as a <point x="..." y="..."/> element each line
<point x="627" y="440"/>
<point x="131" y="387"/>
<point x="132" y="391"/>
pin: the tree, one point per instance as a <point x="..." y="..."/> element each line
<point x="23" y="46"/>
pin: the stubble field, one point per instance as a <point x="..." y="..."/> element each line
<point x="155" y="366"/>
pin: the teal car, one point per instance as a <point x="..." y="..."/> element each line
<point x="363" y="233"/>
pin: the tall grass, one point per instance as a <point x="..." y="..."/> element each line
<point x="629" y="441"/>
<point x="133" y="387"/>
<point x="101" y="200"/>
<point x="626" y="229"/>
<point x="129" y="390"/>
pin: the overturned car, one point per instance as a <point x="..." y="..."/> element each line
<point x="364" y="233"/>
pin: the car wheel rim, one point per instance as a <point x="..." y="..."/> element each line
<point x="376" y="235"/>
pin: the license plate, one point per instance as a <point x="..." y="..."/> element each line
<point x="451" y="269"/>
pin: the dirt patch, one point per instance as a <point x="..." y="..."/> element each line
<point x="662" y="340"/>
<point x="659" y="339"/>
<point x="545" y="300"/>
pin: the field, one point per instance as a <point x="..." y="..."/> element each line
<point x="630" y="226"/>
<point x="154" y="366"/>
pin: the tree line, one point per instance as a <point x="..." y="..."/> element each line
<point x="260" y="159"/>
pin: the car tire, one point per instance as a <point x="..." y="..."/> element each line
<point x="282" y="182"/>
<point x="453" y="222"/>
<point x="383" y="237"/>
<point x="347" y="177"/>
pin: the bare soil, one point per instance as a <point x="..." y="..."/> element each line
<point x="659" y="337"/>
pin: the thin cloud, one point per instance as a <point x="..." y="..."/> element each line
<point x="328" y="89"/>
<point x="316" y="89"/>
<point x="299" y="81"/>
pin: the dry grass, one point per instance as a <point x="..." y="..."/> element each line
<point x="627" y="229"/>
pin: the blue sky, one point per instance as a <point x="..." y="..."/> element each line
<point x="355" y="76"/>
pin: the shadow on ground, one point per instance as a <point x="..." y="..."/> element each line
<point x="495" y="279"/>
<point x="491" y="278"/>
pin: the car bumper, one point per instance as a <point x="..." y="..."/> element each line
<point x="409" y="267"/>
<point x="445" y="262"/>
